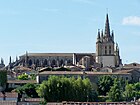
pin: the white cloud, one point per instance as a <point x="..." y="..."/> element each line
<point x="131" y="20"/>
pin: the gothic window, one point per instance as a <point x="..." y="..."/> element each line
<point x="69" y="61"/>
<point x="105" y="50"/>
<point x="109" y="49"/>
<point x="45" y="62"/>
<point x="37" y="62"/>
<point x="30" y="62"/>
<point x="53" y="63"/>
<point x="61" y="62"/>
<point x="34" y="61"/>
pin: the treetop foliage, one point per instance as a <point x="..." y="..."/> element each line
<point x="67" y="89"/>
<point x="62" y="88"/>
<point x="3" y="79"/>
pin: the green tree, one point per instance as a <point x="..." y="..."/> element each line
<point x="129" y="92"/>
<point x="33" y="76"/>
<point x="60" y="88"/>
<point x="3" y="79"/>
<point x="43" y="90"/>
<point x="104" y="84"/>
<point x="23" y="77"/>
<point x="28" y="89"/>
<point x="123" y="83"/>
<point x="90" y="91"/>
<point x="137" y="90"/>
<point x="115" y="93"/>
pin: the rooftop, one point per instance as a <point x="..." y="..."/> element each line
<point x="78" y="73"/>
<point x="9" y="95"/>
<point x="21" y="81"/>
<point x="8" y="102"/>
<point x="48" y="54"/>
<point x="33" y="99"/>
<point x="55" y="54"/>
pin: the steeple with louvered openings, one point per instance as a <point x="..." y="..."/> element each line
<point x="106" y="54"/>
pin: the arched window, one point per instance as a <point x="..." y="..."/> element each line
<point x="30" y="62"/>
<point x="69" y="61"/>
<point x="37" y="62"/>
<point x="105" y="50"/>
<point x="53" y="62"/>
<point x="109" y="49"/>
<point x="61" y="62"/>
<point x="45" y="63"/>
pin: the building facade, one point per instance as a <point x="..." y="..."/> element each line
<point x="57" y="59"/>
<point x="107" y="53"/>
<point x="92" y="76"/>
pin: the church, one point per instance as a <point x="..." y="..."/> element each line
<point x="107" y="54"/>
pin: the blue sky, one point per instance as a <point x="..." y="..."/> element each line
<point x="67" y="26"/>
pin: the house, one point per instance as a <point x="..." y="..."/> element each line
<point x="93" y="76"/>
<point x="17" y="83"/>
<point x="9" y="96"/>
<point x="31" y="101"/>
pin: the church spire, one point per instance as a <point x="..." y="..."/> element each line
<point x="2" y="61"/>
<point x="26" y="59"/>
<point x="10" y="60"/>
<point x="98" y="36"/>
<point x="107" y="28"/>
<point x="112" y="35"/>
<point x="102" y="35"/>
<point x="16" y="58"/>
<point x="117" y="48"/>
<point x="98" y="33"/>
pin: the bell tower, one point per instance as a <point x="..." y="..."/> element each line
<point x="105" y="54"/>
